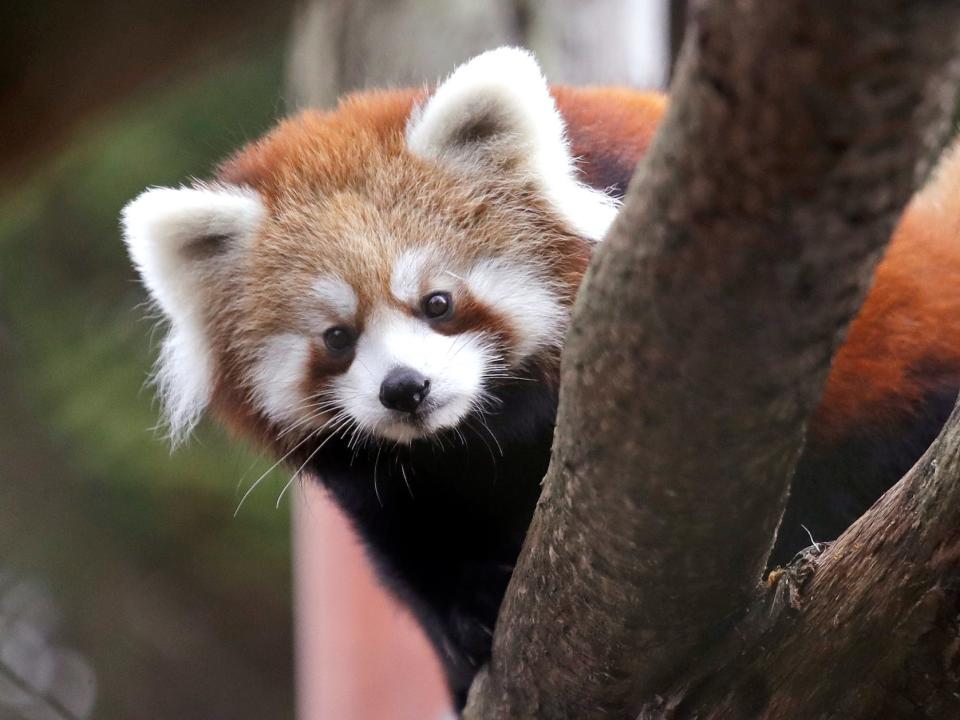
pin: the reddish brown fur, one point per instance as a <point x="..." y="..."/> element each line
<point x="324" y="364"/>
<point x="909" y="325"/>
<point x="609" y="126"/>
<point x="910" y="320"/>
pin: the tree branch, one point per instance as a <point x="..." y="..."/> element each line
<point x="881" y="604"/>
<point x="702" y="337"/>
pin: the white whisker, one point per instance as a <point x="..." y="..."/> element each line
<point x="294" y="476"/>
<point x="405" y="481"/>
<point x="267" y="472"/>
<point x="376" y="490"/>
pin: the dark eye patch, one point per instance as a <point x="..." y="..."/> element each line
<point x="474" y="316"/>
<point x="324" y="365"/>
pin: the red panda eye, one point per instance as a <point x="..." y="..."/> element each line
<point x="437" y="306"/>
<point x="338" y="339"/>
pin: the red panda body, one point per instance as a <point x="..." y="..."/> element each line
<point x="379" y="294"/>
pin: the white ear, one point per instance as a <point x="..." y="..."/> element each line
<point x="497" y="108"/>
<point x="182" y="240"/>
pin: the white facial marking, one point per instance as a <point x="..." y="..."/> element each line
<point x="454" y="365"/>
<point x="184" y="377"/>
<point x="278" y="377"/>
<point x="336" y="295"/>
<point x="524" y="298"/>
<point x="409" y="270"/>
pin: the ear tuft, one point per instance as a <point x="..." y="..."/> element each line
<point x="183" y="377"/>
<point x="183" y="242"/>
<point x="495" y="110"/>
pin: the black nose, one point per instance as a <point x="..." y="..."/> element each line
<point x="404" y="389"/>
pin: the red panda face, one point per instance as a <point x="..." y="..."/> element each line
<point x="395" y="314"/>
<point x="374" y="272"/>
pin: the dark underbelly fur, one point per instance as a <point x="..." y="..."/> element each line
<point x="835" y="483"/>
<point x="444" y="520"/>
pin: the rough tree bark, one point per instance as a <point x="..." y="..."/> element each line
<point x="699" y="346"/>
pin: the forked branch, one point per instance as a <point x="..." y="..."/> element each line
<point x="702" y="337"/>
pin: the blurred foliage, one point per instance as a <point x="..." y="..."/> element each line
<point x="92" y="500"/>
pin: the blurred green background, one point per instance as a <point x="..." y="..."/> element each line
<point x="182" y="610"/>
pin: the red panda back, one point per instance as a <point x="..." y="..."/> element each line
<point x="610" y="130"/>
<point x="906" y="338"/>
<point x="894" y="380"/>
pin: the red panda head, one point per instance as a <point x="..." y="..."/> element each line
<point x="376" y="270"/>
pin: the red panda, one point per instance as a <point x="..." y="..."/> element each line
<point x="379" y="294"/>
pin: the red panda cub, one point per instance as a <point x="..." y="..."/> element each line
<point x="379" y="294"/>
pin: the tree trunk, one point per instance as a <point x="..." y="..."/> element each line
<point x="699" y="347"/>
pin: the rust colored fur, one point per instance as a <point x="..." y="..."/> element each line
<point x="910" y="320"/>
<point x="908" y="330"/>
